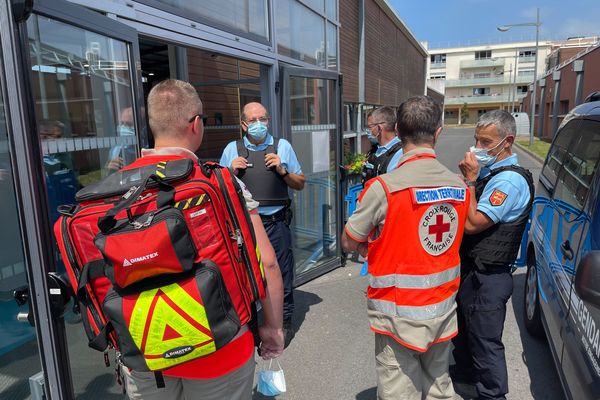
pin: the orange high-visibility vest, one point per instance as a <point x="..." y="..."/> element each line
<point x="414" y="264"/>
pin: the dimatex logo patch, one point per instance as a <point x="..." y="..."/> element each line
<point x="497" y="198"/>
<point x="439" y="194"/>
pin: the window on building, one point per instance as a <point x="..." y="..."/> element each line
<point x="527" y="53"/>
<point x="300" y="32"/>
<point x="483" y="55"/>
<point x="481" y="75"/>
<point x="522" y="89"/>
<point x="525" y="72"/>
<point x="247" y="17"/>
<point x="564" y="107"/>
<point x="481" y="91"/>
<point x="438" y="76"/>
<point x="481" y="112"/>
<point x="450" y="114"/>
<point x="438" y="58"/>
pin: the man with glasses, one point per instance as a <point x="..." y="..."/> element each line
<point x="269" y="167"/>
<point x="227" y="373"/>
<point x="501" y="199"/>
<point x="387" y="148"/>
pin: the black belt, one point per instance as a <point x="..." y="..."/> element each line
<point x="278" y="216"/>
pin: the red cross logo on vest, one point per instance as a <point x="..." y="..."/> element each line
<point x="437" y="228"/>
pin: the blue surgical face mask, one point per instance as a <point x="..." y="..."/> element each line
<point x="372" y="138"/>
<point x="258" y="131"/>
<point x="271" y="383"/>
<point x="125" y="130"/>
<point x="483" y="158"/>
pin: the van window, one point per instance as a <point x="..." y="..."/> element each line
<point x="575" y="177"/>
<point x="558" y="151"/>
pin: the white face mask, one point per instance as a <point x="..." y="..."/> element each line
<point x="483" y="158"/>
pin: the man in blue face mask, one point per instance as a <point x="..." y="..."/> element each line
<point x="269" y="167"/>
<point x="501" y="199"/>
<point x="387" y="148"/>
<point x="125" y="152"/>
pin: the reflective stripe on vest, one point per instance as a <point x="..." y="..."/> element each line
<point x="401" y="281"/>
<point x="169" y="326"/>
<point x="415" y="313"/>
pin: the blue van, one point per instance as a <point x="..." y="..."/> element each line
<point x="562" y="290"/>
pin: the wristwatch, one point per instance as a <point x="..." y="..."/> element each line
<point x="471" y="183"/>
<point x="286" y="173"/>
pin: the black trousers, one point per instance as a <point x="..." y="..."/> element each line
<point x="479" y="351"/>
<point x="280" y="236"/>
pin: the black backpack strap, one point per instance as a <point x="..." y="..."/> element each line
<point x="242" y="150"/>
<point x="387" y="157"/>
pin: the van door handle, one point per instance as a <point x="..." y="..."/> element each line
<point x="566" y="250"/>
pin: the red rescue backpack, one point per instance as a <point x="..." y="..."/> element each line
<point x="164" y="261"/>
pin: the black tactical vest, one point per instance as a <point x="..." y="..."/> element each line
<point x="497" y="247"/>
<point x="266" y="185"/>
<point x="379" y="164"/>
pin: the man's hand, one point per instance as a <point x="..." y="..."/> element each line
<point x="272" y="160"/>
<point x="239" y="163"/>
<point x="272" y="342"/>
<point x="115" y="164"/>
<point x="469" y="167"/>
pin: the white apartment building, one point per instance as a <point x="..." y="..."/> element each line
<point x="484" y="77"/>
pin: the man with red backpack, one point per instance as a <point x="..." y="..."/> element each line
<point x="175" y="115"/>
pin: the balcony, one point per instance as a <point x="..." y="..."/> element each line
<point x="497" y="80"/>
<point x="488" y="62"/>
<point x="524" y="60"/>
<point x="438" y="65"/>
<point x="483" y="99"/>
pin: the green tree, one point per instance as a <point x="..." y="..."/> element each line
<point x="464" y="113"/>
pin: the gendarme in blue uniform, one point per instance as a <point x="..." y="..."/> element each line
<point x="395" y="158"/>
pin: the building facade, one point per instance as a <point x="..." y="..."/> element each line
<point x="476" y="79"/>
<point x="381" y="61"/>
<point x="564" y="86"/>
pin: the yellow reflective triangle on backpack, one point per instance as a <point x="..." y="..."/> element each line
<point x="170" y="327"/>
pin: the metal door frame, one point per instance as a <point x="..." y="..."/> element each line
<point x="27" y="165"/>
<point x="285" y="73"/>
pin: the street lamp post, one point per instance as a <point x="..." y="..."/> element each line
<point x="537" y="24"/>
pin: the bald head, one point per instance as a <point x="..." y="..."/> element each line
<point x="253" y="110"/>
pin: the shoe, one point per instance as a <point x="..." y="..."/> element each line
<point x="288" y="333"/>
<point x="461" y="375"/>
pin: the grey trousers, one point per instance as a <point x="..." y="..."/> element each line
<point x="403" y="373"/>
<point x="236" y="385"/>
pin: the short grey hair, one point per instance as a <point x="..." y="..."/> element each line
<point x="503" y="120"/>
<point x="385" y="115"/>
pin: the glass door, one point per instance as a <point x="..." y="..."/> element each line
<point x="82" y="90"/>
<point x="311" y="119"/>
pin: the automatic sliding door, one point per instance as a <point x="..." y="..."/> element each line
<point x="311" y="112"/>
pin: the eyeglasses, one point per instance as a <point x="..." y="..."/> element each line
<point x="373" y="125"/>
<point x="264" y="120"/>
<point x="196" y="116"/>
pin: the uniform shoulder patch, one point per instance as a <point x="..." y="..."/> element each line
<point x="497" y="198"/>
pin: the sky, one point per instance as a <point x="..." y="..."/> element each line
<point x="450" y="23"/>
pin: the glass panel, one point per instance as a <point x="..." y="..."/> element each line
<point x="332" y="10"/>
<point x="318" y="5"/>
<point x="83" y="102"/>
<point x="246" y="16"/>
<point x="300" y="32"/>
<point x="331" y="46"/>
<point x="314" y="136"/>
<point x="19" y="355"/>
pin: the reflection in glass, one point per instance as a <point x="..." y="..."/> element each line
<point x="247" y="16"/>
<point x="332" y="10"/>
<point x="314" y="132"/>
<point x="83" y="103"/>
<point x="331" y="46"/>
<point x="300" y="32"/>
<point x="19" y="355"/>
